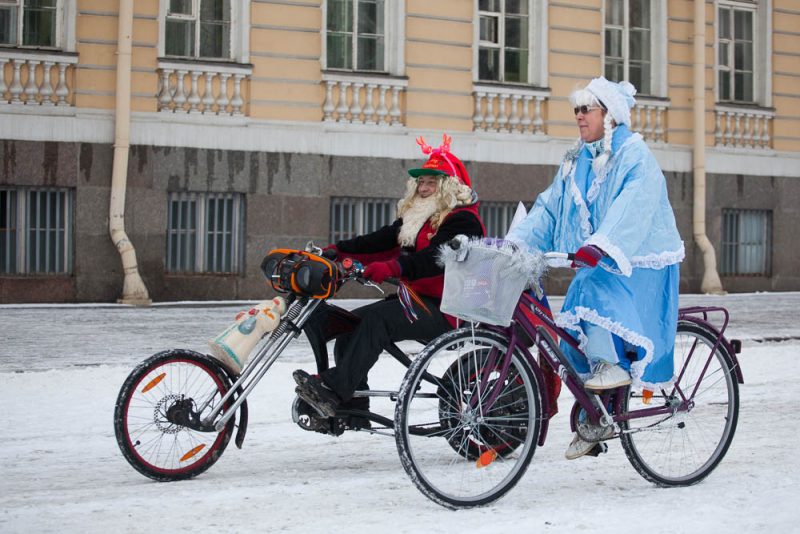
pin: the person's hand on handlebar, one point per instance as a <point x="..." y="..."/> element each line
<point x="379" y="271"/>
<point x="587" y="256"/>
<point x="330" y="252"/>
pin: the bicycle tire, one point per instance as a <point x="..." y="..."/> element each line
<point x="431" y="416"/>
<point x="156" y="447"/>
<point x="684" y="448"/>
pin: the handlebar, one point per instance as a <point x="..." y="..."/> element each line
<point x="459" y="241"/>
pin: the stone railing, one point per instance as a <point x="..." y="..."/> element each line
<point x="207" y="88"/>
<point x="34" y="78"/>
<point x="363" y="99"/>
<point x="508" y="109"/>
<point x="742" y="127"/>
<point x="649" y="117"/>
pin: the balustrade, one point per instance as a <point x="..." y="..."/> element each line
<point x="648" y="117"/>
<point x="742" y="127"/>
<point x="201" y="88"/>
<point x="509" y="110"/>
<point x="36" y="79"/>
<point x="363" y="99"/>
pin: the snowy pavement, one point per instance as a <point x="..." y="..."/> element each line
<point x="61" y="470"/>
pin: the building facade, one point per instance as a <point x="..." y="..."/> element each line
<point x="264" y="123"/>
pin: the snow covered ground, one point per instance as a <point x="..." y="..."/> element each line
<point x="61" y="470"/>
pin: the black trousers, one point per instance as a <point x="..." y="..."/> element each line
<point x="382" y="323"/>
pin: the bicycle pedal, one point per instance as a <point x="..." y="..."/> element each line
<point x="598" y="449"/>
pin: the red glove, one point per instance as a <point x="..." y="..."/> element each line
<point x="381" y="270"/>
<point x="330" y="252"/>
<point x="587" y="256"/>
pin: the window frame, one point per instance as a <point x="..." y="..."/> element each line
<point x="22" y="248"/>
<point x="762" y="50"/>
<point x="731" y="244"/>
<point x="200" y="235"/>
<point x="394" y="12"/>
<point x="358" y="225"/>
<point x="66" y="17"/>
<point x="658" y="46"/>
<point x="537" y="46"/>
<point x="239" y="33"/>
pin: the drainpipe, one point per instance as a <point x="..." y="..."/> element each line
<point x="711" y="282"/>
<point x="133" y="289"/>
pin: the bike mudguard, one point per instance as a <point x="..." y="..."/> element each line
<point x="243" y="411"/>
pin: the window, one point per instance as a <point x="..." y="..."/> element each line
<point x="198" y="29"/>
<point x="205" y="232"/>
<point x="746" y="242"/>
<point x="35" y="231"/>
<point x="351" y="217"/>
<point x="629" y="39"/>
<point x="356" y="35"/>
<point x="29" y="23"/>
<point x="503" y="40"/>
<point x="497" y="217"/>
<point x="735" y="53"/>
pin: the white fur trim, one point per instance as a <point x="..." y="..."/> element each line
<point x="571" y="321"/>
<point x="613" y="252"/>
<point x="661" y="260"/>
<point x="577" y="198"/>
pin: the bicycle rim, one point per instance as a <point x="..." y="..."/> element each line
<point x="470" y="453"/>
<point x="155" y="446"/>
<point x="683" y="448"/>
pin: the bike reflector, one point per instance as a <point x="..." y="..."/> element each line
<point x="300" y="272"/>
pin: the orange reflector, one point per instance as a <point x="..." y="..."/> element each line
<point x="192" y="452"/>
<point x="647" y="395"/>
<point x="486" y="458"/>
<point x="153" y="383"/>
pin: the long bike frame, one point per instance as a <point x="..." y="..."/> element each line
<point x="534" y="319"/>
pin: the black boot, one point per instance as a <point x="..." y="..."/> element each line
<point x="313" y="390"/>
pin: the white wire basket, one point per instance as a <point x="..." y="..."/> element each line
<point x="484" y="278"/>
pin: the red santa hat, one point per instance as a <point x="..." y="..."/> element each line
<point x="441" y="162"/>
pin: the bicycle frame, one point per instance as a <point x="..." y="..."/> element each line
<point x="544" y="332"/>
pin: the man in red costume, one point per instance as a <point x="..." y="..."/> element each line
<point x="438" y="205"/>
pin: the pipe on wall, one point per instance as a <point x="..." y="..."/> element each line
<point x="711" y="282"/>
<point x="133" y="289"/>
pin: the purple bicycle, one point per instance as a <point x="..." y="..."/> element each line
<point x="473" y="406"/>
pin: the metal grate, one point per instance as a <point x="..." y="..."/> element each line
<point x="351" y="217"/>
<point x="204" y="232"/>
<point x="497" y="217"/>
<point x="746" y="242"/>
<point x="36" y="231"/>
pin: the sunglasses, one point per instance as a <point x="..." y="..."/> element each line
<point x="585" y="109"/>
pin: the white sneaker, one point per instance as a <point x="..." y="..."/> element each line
<point x="579" y="447"/>
<point x="608" y="376"/>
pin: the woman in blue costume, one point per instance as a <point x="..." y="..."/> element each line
<point x="609" y="203"/>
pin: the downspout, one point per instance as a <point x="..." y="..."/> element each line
<point x="133" y="288"/>
<point x="710" y="282"/>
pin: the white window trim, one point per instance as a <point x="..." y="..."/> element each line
<point x="394" y="25"/>
<point x="240" y="32"/>
<point x="762" y="48"/>
<point x="658" y="47"/>
<point x="537" y="45"/>
<point x="66" y="18"/>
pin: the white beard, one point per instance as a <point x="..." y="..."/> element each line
<point x="420" y="211"/>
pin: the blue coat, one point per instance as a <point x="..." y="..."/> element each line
<point x="626" y="212"/>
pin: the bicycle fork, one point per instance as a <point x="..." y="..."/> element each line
<point x="289" y="328"/>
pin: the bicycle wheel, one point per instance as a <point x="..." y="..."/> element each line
<point x="682" y="448"/>
<point x="159" y="412"/>
<point x="459" y="448"/>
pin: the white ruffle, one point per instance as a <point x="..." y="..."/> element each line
<point x="660" y="260"/>
<point x="577" y="199"/>
<point x="571" y="321"/>
<point x="594" y="189"/>
<point x="613" y="252"/>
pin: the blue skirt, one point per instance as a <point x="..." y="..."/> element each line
<point x="639" y="312"/>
